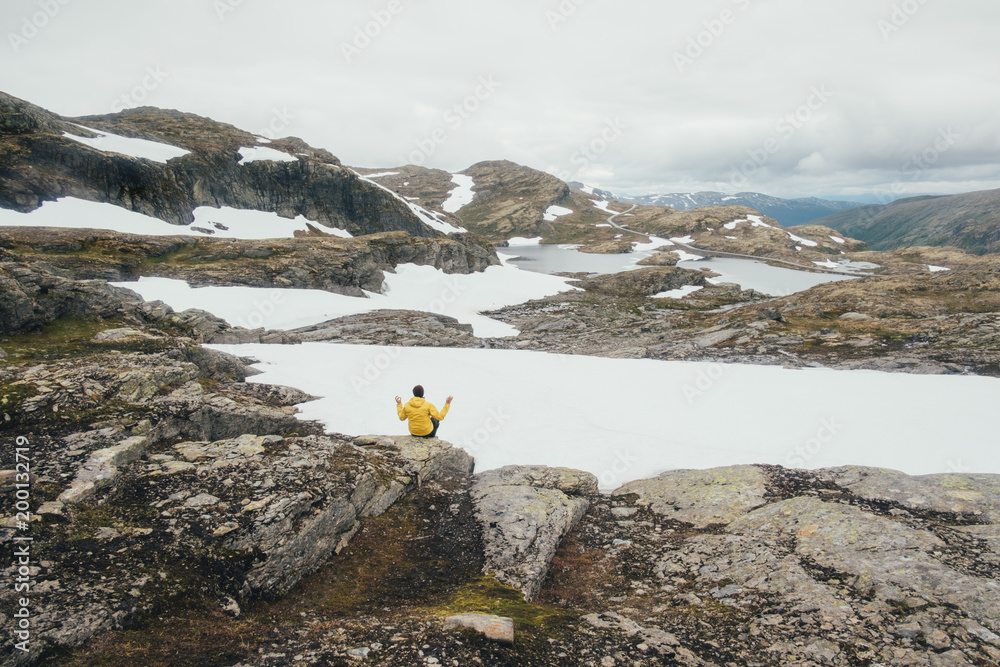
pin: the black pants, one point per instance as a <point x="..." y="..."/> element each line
<point x="432" y="434"/>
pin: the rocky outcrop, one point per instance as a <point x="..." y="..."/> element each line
<point x="35" y="294"/>
<point x="525" y="511"/>
<point x="258" y="512"/>
<point x="608" y="248"/>
<point x="700" y="497"/>
<point x="343" y="266"/>
<point x="404" y="328"/>
<point x="973" y="496"/>
<point x="511" y="200"/>
<point x="644" y="282"/>
<point x="498" y="628"/>
<point x="835" y="566"/>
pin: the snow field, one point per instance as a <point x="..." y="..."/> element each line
<point x="412" y="287"/>
<point x="630" y="419"/>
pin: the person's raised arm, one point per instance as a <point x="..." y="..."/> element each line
<point x="400" y="411"/>
<point x="444" y="412"/>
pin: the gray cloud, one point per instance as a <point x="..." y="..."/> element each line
<point x="719" y="95"/>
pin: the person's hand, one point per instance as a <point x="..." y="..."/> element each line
<point x="399" y="400"/>
<point x="449" y="400"/>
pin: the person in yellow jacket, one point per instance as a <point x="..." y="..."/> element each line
<point x="424" y="417"/>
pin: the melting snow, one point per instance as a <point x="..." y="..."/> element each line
<point x="137" y="148"/>
<point x="805" y="242"/>
<point x="425" y="216"/>
<point x="937" y="269"/>
<point x="837" y="239"/>
<point x="412" y="287"/>
<point x="664" y="415"/>
<point x="686" y="256"/>
<point x="262" y="154"/>
<point x="520" y="240"/>
<point x="461" y="196"/>
<point x="220" y="223"/>
<point x="554" y="212"/>
<point x="678" y="293"/>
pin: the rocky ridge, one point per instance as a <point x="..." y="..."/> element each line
<point x="41" y="164"/>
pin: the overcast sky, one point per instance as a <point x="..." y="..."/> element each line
<point x="787" y="97"/>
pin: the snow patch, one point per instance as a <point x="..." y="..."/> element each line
<point x="555" y="212"/>
<point x="262" y="154"/>
<point x="758" y="222"/>
<point x="227" y="223"/>
<point x="805" y="242"/>
<point x="682" y="239"/>
<point x="686" y="256"/>
<point x="461" y="196"/>
<point x="654" y="243"/>
<point x="837" y="239"/>
<point x="520" y="241"/>
<point x="937" y="269"/>
<point x="137" y="148"/>
<point x="678" y="293"/>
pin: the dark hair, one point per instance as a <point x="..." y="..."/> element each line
<point x="418" y="391"/>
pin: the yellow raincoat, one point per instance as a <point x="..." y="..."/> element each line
<point x="419" y="412"/>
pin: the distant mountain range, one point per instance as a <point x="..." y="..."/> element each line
<point x="789" y="212"/>
<point x="968" y="221"/>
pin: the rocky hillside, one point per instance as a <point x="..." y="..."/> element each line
<point x="509" y="200"/>
<point x="968" y="221"/>
<point x="788" y="212"/>
<point x="39" y="163"/>
<point x="343" y="266"/>
<point x="910" y="321"/>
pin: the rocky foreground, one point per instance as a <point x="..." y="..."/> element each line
<point x="181" y="515"/>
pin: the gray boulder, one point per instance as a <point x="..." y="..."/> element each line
<point x="525" y="512"/>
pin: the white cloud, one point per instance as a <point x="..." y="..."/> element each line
<point x="686" y="129"/>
